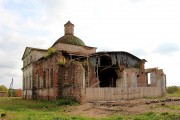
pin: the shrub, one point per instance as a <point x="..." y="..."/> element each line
<point x="50" y="52"/>
<point x="65" y="101"/>
<point x="62" y="60"/>
<point x="3" y="88"/>
<point x="172" y="89"/>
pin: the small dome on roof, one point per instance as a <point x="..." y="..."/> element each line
<point x="69" y="37"/>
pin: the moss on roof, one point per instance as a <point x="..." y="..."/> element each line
<point x="70" y="39"/>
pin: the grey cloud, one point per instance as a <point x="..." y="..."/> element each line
<point x="135" y="1"/>
<point x="50" y="3"/>
<point x="6" y="80"/>
<point x="167" y="48"/>
<point x="104" y="49"/>
<point x="4" y="64"/>
<point x="15" y="43"/>
<point x="10" y="66"/>
<point x="9" y="60"/>
<point x="139" y="52"/>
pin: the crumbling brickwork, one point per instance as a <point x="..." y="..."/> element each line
<point x="69" y="68"/>
<point x="46" y="78"/>
<point x="73" y="82"/>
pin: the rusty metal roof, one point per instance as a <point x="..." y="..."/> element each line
<point x="115" y="52"/>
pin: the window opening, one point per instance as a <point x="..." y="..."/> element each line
<point x="44" y="79"/>
<point x="149" y="79"/>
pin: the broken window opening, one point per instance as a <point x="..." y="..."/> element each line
<point x="105" y="60"/>
<point x="106" y="72"/>
<point x="108" y="78"/>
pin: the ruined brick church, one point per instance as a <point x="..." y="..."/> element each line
<point x="71" y="69"/>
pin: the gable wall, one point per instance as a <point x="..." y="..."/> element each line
<point x="75" y="48"/>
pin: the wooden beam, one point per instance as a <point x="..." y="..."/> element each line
<point x="106" y="68"/>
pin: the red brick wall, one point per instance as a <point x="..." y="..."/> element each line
<point x="72" y="86"/>
<point x="47" y="91"/>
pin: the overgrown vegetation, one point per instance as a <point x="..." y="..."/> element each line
<point x="50" y="52"/>
<point x="172" y="89"/>
<point x="3" y="88"/>
<point x="62" y="60"/>
<point x="66" y="101"/>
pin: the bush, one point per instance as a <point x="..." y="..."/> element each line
<point x="50" y="52"/>
<point x="62" y="60"/>
<point x="3" y="88"/>
<point x="172" y="89"/>
<point x="66" y="101"/>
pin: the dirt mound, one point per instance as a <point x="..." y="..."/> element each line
<point x="106" y="108"/>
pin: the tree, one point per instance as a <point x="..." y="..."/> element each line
<point x="3" y="88"/>
<point x="172" y="89"/>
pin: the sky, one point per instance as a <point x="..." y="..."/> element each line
<point x="149" y="29"/>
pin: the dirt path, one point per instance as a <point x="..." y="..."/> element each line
<point x="103" y="109"/>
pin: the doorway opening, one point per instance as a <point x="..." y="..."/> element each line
<point x="107" y="73"/>
<point x="108" y="78"/>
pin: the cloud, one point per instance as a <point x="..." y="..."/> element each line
<point x="167" y="48"/>
<point x="133" y="25"/>
<point x="139" y="52"/>
<point x="135" y="1"/>
<point x="15" y="34"/>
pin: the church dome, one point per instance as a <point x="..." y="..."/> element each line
<point x="69" y="37"/>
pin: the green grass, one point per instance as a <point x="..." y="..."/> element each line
<point x="20" y="109"/>
<point x="176" y="94"/>
<point x="177" y="107"/>
<point x="147" y="116"/>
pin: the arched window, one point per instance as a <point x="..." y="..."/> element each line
<point x="38" y="81"/>
<point x="26" y="86"/>
<point x="51" y="78"/>
<point x="24" y="83"/>
<point x="47" y="78"/>
<point x="44" y="79"/>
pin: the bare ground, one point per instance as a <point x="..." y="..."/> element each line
<point x="101" y="109"/>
